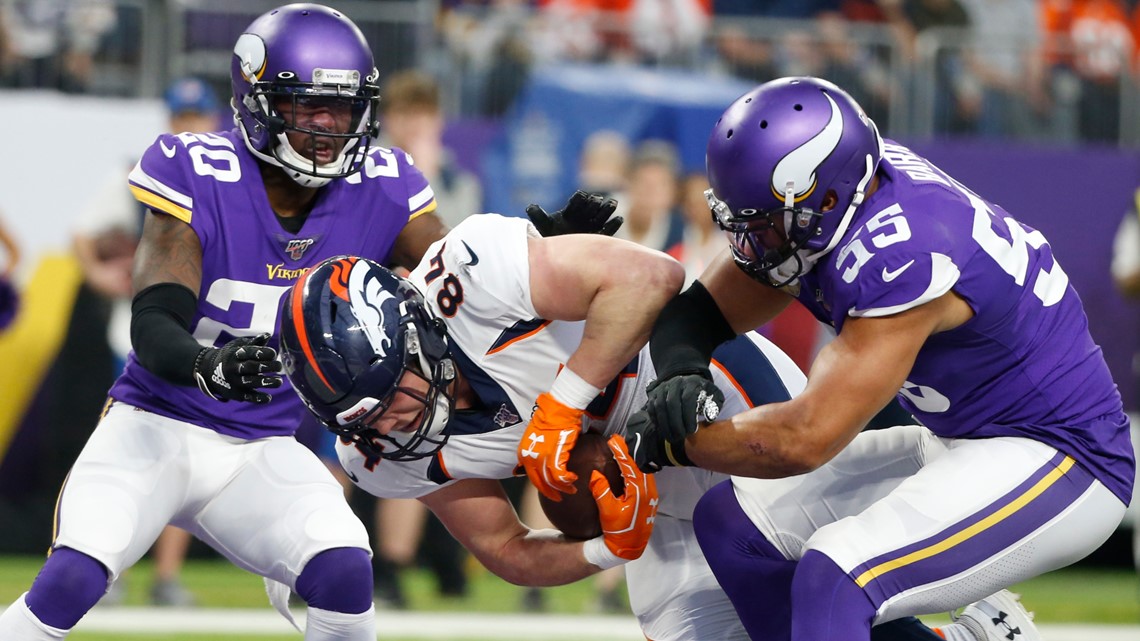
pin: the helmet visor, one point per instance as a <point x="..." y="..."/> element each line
<point x="300" y="110"/>
<point x="759" y="237"/>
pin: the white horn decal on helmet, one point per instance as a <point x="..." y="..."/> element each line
<point x="366" y="298"/>
<point x="798" y="167"/>
<point x="250" y="50"/>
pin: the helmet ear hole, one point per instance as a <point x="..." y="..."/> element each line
<point x="830" y="199"/>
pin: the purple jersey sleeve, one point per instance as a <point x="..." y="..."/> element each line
<point x="165" y="177"/>
<point x="1024" y="365"/>
<point x="895" y="263"/>
<point x="403" y="185"/>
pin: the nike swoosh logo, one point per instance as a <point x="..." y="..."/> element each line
<point x="167" y="151"/>
<point x="888" y="276"/>
<point x="474" y="258"/>
<point x="352" y="476"/>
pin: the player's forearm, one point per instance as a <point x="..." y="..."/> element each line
<point x="540" y="558"/>
<point x="759" y="443"/>
<point x="687" y="331"/>
<point x="621" y="315"/>
<point x="611" y="338"/>
<point x="160" y="332"/>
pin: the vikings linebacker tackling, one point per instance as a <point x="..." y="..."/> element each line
<point x="939" y="297"/>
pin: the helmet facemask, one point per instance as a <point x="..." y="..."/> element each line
<point x="277" y="106"/>
<point x="429" y="435"/>
<point x="760" y="244"/>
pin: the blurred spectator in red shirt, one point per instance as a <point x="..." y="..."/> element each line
<point x="1094" y="45"/>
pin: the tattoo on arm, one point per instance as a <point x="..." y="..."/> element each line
<point x="168" y="252"/>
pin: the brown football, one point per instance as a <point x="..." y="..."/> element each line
<point x="577" y="514"/>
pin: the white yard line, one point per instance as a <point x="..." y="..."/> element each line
<point x="451" y="625"/>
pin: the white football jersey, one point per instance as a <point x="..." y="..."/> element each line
<point x="477" y="278"/>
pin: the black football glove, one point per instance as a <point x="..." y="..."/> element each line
<point x="678" y="404"/>
<point x="674" y="408"/>
<point x="234" y="371"/>
<point x="648" y="446"/>
<point x="583" y="214"/>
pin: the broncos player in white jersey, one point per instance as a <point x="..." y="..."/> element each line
<point x="512" y="307"/>
<point x="431" y="382"/>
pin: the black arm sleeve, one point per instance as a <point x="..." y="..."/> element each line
<point x="160" y="331"/>
<point x="688" y="330"/>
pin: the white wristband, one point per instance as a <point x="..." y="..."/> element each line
<point x="572" y="390"/>
<point x="598" y="554"/>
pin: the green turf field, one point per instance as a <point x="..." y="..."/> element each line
<point x="1078" y="595"/>
<point x="216" y="583"/>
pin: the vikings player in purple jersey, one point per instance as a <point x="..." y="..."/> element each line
<point x="939" y="297"/>
<point x="235" y="218"/>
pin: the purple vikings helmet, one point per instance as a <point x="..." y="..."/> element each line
<point x="350" y="330"/>
<point x="772" y="158"/>
<point x="304" y="55"/>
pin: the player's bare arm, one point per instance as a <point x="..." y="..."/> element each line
<point x="745" y="302"/>
<point x="617" y="287"/>
<point x="168" y="252"/>
<point x="416" y="237"/>
<point x="169" y="258"/>
<point x="853" y="378"/>
<point x="480" y="516"/>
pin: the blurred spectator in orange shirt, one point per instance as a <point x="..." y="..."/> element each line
<point x="643" y="31"/>
<point x="1094" y="44"/>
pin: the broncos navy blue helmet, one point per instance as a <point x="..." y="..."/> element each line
<point x="350" y="332"/>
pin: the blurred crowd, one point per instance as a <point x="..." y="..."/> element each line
<point x="1048" y="69"/>
<point x="1060" y="70"/>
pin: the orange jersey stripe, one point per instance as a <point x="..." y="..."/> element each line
<point x="442" y="465"/>
<point x="735" y="383"/>
<point x="519" y="338"/>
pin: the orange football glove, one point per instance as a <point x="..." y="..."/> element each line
<point x="627" y="520"/>
<point x="546" y="444"/>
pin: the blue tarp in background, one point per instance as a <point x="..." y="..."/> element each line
<point x="535" y="156"/>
